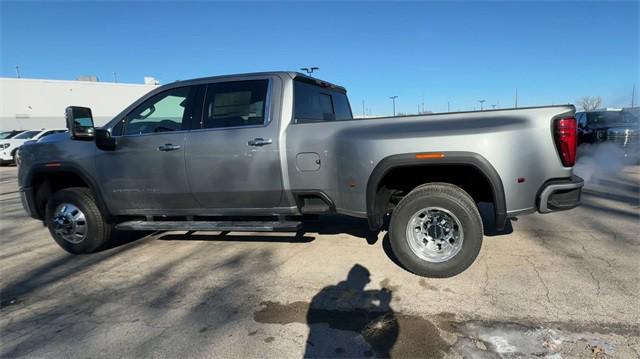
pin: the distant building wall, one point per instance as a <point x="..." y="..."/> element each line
<point x="34" y="103"/>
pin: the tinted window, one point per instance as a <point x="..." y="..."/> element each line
<point x="315" y="104"/>
<point x="235" y="104"/>
<point x="631" y="115"/>
<point x="165" y="112"/>
<point x="582" y="119"/>
<point x="27" y="135"/>
<point x="48" y="133"/>
<point x="604" y="118"/>
<point x="341" y="105"/>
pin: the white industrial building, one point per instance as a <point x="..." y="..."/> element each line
<point x="37" y="103"/>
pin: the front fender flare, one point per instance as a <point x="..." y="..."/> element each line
<point x="67" y="167"/>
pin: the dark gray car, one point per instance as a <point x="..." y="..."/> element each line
<point x="255" y="152"/>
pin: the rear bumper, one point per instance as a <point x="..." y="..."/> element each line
<point x="560" y="194"/>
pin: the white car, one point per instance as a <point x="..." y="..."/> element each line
<point x="9" y="146"/>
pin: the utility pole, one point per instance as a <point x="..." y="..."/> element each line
<point x="481" y="103"/>
<point x="18" y="71"/>
<point x="363" y="112"/>
<point x="448" y="107"/>
<point x="422" y="105"/>
<point x="309" y="70"/>
<point x="633" y="96"/>
<point x="516" y="98"/>
<point x="393" y="98"/>
<point x="115" y="77"/>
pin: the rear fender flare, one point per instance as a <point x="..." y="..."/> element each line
<point x="375" y="215"/>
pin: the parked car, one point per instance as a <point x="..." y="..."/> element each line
<point x="9" y="134"/>
<point x="621" y="127"/>
<point x="255" y="152"/>
<point x="9" y="147"/>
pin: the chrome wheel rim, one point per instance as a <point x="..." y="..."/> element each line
<point x="69" y="223"/>
<point x="434" y="234"/>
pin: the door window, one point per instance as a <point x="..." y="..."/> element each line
<point x="235" y="104"/>
<point x="166" y="112"/>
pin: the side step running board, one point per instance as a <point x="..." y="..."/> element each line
<point x="232" y="226"/>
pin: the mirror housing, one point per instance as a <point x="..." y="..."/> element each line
<point x="104" y="140"/>
<point x="80" y="123"/>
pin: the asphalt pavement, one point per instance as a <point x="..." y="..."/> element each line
<point x="560" y="285"/>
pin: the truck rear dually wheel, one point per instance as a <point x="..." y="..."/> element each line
<point x="75" y="222"/>
<point x="436" y="230"/>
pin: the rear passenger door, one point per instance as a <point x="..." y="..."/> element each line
<point x="232" y="158"/>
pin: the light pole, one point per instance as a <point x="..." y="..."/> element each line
<point x="393" y="98"/>
<point x="482" y="102"/>
<point x="309" y="70"/>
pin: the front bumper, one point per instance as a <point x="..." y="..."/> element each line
<point x="6" y="156"/>
<point x="560" y="194"/>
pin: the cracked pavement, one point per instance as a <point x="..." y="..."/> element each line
<point x="560" y="285"/>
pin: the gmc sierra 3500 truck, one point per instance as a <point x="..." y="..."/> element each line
<point x="256" y="152"/>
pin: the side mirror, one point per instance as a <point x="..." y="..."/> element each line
<point x="104" y="140"/>
<point x="80" y="123"/>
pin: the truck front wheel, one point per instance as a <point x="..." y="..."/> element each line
<point x="75" y="222"/>
<point x="436" y="230"/>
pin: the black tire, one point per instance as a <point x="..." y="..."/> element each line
<point x="455" y="200"/>
<point x="98" y="230"/>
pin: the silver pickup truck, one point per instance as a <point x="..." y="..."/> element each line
<point x="257" y="152"/>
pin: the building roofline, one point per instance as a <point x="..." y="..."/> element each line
<point x="22" y="79"/>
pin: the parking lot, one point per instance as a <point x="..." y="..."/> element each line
<point x="564" y="284"/>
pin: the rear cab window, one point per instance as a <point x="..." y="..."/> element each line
<point x="314" y="102"/>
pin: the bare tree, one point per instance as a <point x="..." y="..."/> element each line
<point x="589" y="103"/>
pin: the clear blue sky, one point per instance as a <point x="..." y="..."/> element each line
<point x="553" y="52"/>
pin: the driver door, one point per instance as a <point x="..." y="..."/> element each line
<point x="146" y="172"/>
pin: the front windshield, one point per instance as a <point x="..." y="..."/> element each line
<point x="4" y="135"/>
<point x="27" y="135"/>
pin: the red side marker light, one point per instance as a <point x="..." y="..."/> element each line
<point x="54" y="164"/>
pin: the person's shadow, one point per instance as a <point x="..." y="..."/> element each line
<point x="360" y="315"/>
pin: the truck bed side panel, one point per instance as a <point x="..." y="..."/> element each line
<point x="518" y="143"/>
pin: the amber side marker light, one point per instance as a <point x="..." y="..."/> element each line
<point x="422" y="156"/>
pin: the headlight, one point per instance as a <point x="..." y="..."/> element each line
<point x="4" y="146"/>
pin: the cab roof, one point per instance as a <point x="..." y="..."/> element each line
<point x="290" y="74"/>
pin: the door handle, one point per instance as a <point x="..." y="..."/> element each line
<point x="168" y="147"/>
<point x="259" y="142"/>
